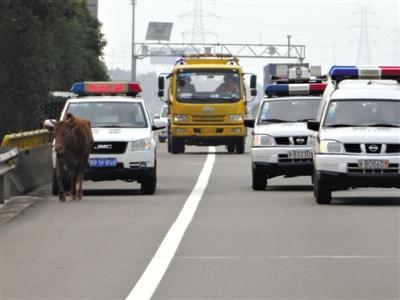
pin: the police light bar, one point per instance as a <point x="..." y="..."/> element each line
<point x="106" y="88"/>
<point x="295" y="89"/>
<point x="339" y="73"/>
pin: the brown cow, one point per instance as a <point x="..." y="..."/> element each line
<point x="73" y="143"/>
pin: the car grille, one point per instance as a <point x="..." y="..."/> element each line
<point x="109" y="147"/>
<point x="393" y="148"/>
<point x="352" y="148"/>
<point x="208" y="119"/>
<point x="353" y="168"/>
<point x="372" y="148"/>
<point x="292" y="140"/>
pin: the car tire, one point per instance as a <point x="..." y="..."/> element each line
<point x="322" y="191"/>
<point x="162" y="139"/>
<point x="230" y="148"/>
<point x="149" y="183"/>
<point x="259" y="178"/>
<point x="240" y="147"/>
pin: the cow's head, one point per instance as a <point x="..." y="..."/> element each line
<point x="62" y="138"/>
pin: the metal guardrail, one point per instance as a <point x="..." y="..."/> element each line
<point x="7" y="156"/>
<point x="28" y="139"/>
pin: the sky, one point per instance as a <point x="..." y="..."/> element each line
<point x="330" y="29"/>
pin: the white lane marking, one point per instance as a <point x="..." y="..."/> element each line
<point x="150" y="279"/>
<point x="289" y="257"/>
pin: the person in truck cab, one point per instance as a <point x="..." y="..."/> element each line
<point x="230" y="85"/>
<point x="185" y="85"/>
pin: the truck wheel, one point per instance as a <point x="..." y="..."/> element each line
<point x="149" y="183"/>
<point x="259" y="177"/>
<point x="177" y="146"/>
<point x="240" y="147"/>
<point x="322" y="191"/>
<point x="169" y="144"/>
<point x="230" y="148"/>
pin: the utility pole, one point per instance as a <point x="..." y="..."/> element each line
<point x="134" y="56"/>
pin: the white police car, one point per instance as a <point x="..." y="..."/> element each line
<point x="124" y="145"/>
<point x="281" y="140"/>
<point x="357" y="131"/>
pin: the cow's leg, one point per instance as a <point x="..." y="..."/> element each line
<point x="79" y="186"/>
<point x="74" y="175"/>
<point x="59" y="174"/>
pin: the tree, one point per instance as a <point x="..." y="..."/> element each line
<point x="46" y="45"/>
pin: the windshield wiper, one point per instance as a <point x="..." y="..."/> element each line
<point x="274" y="120"/>
<point x="342" y="125"/>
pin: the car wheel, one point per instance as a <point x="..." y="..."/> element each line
<point x="240" y="147"/>
<point x="322" y="191"/>
<point x="149" y="183"/>
<point x="230" y="148"/>
<point x="161" y="139"/>
<point x="259" y="177"/>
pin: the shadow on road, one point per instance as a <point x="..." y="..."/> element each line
<point x="289" y="188"/>
<point x="366" y="201"/>
<point x="112" y="192"/>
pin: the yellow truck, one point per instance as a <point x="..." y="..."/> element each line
<point x="206" y="100"/>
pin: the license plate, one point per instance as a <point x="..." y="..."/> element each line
<point x="103" y="162"/>
<point x="300" y="154"/>
<point x="373" y="164"/>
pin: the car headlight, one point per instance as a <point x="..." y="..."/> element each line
<point x="142" y="144"/>
<point x="330" y="146"/>
<point x="263" y="140"/>
<point x="180" y="118"/>
<point x="235" y="118"/>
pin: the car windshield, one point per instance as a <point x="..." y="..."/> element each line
<point x="208" y="86"/>
<point x="291" y="110"/>
<point x="110" y="114"/>
<point x="363" y="113"/>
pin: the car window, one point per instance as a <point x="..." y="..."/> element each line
<point x="367" y="112"/>
<point x="293" y="110"/>
<point x="110" y="114"/>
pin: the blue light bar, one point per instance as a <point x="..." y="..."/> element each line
<point x="343" y="72"/>
<point x="277" y="89"/>
<point x="78" y="88"/>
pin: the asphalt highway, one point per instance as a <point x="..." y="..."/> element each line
<point x="232" y="243"/>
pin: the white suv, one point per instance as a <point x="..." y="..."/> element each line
<point x="281" y="140"/>
<point x="124" y="145"/>
<point x="357" y="131"/>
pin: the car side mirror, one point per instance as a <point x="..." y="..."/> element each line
<point x="253" y="81"/>
<point x="313" y="125"/>
<point x="49" y="124"/>
<point x="159" y="124"/>
<point x="249" y="123"/>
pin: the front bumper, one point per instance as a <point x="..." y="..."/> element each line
<point x="131" y="165"/>
<point x="276" y="162"/>
<point x="199" y="130"/>
<point x="342" y="171"/>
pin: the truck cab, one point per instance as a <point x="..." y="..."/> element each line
<point x="207" y="99"/>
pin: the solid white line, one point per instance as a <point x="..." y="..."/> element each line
<point x="150" y="279"/>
